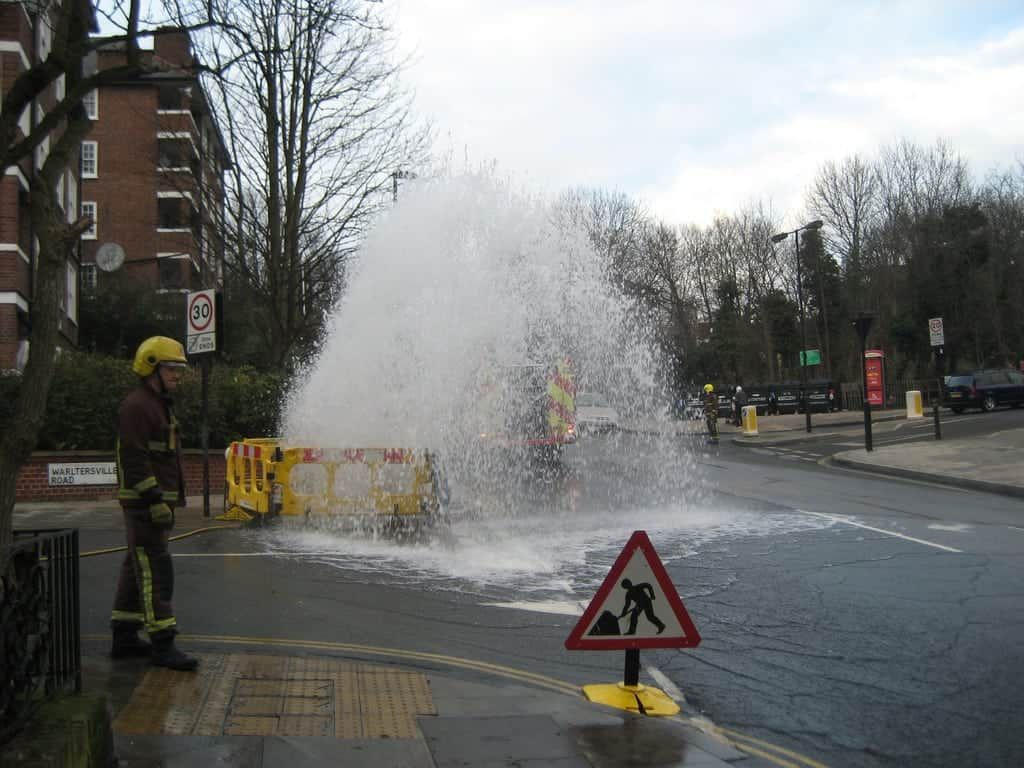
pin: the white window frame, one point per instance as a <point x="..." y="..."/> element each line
<point x="179" y="195"/>
<point x="72" y="187"/>
<point x="89" y="272"/>
<point x="90" y="234"/>
<point x="61" y="85"/>
<point x="91" y="102"/>
<point x="71" y="285"/>
<point x="43" y="149"/>
<point x="45" y="36"/>
<point x="94" y="174"/>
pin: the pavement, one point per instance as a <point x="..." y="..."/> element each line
<point x="269" y="703"/>
<point x="991" y="463"/>
<point x="265" y="702"/>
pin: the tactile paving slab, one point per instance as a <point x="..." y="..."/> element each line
<point x="237" y="694"/>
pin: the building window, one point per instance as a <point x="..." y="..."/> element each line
<point x="171" y="213"/>
<point x="172" y="273"/>
<point x="89" y="278"/>
<point x="45" y="36"/>
<point x="90" y="160"/>
<point x="91" y="102"/>
<point x="72" y="209"/>
<point x="60" y="191"/>
<point x="72" y="291"/>
<point x="89" y="209"/>
<point x="168" y="97"/>
<point x="173" y="153"/>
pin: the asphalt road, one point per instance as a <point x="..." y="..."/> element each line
<point x="855" y="620"/>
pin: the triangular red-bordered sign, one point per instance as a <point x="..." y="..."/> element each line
<point x="596" y="631"/>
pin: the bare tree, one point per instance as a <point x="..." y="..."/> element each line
<point x="318" y="127"/>
<point x="55" y="137"/>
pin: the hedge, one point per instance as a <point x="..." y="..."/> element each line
<point x="81" y="411"/>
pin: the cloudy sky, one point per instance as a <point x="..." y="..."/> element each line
<point x="697" y="107"/>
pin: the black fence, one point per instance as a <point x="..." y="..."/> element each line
<point x="40" y="641"/>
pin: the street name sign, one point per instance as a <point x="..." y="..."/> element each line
<point x="935" y="332"/>
<point x="82" y="473"/>
<point x="635" y="607"/>
<point x="201" y="318"/>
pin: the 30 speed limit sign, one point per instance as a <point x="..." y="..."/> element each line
<point x="202" y="328"/>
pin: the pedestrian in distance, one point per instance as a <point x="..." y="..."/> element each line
<point x="740" y="400"/>
<point x="711" y="412"/>
<point x="151" y="484"/>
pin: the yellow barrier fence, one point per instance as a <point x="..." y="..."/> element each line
<point x="267" y="479"/>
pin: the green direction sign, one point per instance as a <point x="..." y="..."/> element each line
<point x="810" y="357"/>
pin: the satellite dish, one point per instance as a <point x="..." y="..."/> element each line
<point x="110" y="257"/>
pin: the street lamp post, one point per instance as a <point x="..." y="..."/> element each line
<point x="817" y="224"/>
<point x="395" y="176"/>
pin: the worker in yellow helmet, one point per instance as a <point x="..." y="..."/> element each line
<point x="152" y="484"/>
<point x="711" y="412"/>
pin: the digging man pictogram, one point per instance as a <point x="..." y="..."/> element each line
<point x="641" y="598"/>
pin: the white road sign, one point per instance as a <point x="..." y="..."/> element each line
<point x="938" y="338"/>
<point x="202" y="334"/>
<point x="636" y="606"/>
<point x="94" y="473"/>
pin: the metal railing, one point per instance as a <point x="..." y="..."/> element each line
<point x="40" y="639"/>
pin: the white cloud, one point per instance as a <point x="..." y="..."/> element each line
<point x="698" y="107"/>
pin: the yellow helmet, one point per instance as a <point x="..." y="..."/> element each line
<point x="708" y="388"/>
<point x="157" y="350"/>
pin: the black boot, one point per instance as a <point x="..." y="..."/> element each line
<point x="166" y="654"/>
<point x="127" y="643"/>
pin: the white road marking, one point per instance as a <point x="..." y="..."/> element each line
<point x="559" y="607"/>
<point x="839" y="519"/>
<point x="951" y="527"/>
<point x="670" y="688"/>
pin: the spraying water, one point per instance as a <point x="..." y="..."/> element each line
<point x="466" y="274"/>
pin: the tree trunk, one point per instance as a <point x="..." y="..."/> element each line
<point x="21" y="433"/>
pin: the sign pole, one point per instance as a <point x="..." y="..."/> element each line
<point x="201" y="336"/>
<point x="937" y="337"/>
<point x="204" y="418"/>
<point x="631" y="676"/>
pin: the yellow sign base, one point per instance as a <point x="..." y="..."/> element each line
<point x="632" y="698"/>
<point x="235" y="514"/>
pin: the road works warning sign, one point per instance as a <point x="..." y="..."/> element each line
<point x="637" y="606"/>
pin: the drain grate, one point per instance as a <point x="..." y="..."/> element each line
<point x="256" y="695"/>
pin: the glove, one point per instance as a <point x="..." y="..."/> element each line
<point x="161" y="514"/>
<point x="152" y="496"/>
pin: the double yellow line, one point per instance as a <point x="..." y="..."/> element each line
<point x="768" y="751"/>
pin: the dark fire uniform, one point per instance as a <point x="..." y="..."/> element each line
<point x="149" y="471"/>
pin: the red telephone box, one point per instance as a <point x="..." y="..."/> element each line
<point x="874" y="373"/>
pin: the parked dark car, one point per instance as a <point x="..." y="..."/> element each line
<point x="787" y="397"/>
<point x="758" y="395"/>
<point x="822" y="396"/>
<point x="985" y="389"/>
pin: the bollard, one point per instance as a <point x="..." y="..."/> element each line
<point x="749" y="419"/>
<point x="914" y="408"/>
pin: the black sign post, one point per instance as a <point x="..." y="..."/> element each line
<point x="863" y="326"/>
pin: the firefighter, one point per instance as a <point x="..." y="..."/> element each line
<point x="151" y="484"/>
<point x="711" y="412"/>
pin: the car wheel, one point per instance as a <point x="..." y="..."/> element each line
<point x="988" y="404"/>
<point x="957" y="409"/>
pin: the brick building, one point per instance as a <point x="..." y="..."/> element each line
<point x="25" y="39"/>
<point x="152" y="172"/>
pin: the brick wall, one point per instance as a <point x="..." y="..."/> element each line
<point x="33" y="478"/>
